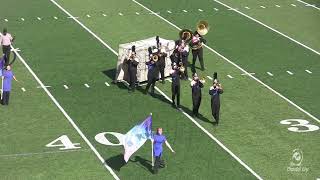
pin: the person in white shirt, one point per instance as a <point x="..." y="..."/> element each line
<point x="6" y="40"/>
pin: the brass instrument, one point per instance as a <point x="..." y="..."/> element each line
<point x="155" y="57"/>
<point x="181" y="68"/>
<point x="202" y="80"/>
<point x="185" y="34"/>
<point x="203" y="28"/>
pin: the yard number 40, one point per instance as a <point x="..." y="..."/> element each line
<point x="299" y="125"/>
<point x="66" y="144"/>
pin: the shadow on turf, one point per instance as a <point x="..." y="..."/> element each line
<point x="200" y="117"/>
<point x="117" y="162"/>
<point x="146" y="164"/>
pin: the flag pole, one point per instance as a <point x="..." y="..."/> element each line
<point x="152" y="160"/>
<point x="152" y="154"/>
<point x="2" y="78"/>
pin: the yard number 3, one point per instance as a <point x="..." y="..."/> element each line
<point x="300" y="125"/>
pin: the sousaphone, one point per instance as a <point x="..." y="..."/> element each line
<point x="203" y="28"/>
<point x="185" y="34"/>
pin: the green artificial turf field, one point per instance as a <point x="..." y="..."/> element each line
<point x="70" y="43"/>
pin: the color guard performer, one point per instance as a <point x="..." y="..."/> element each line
<point x="158" y="140"/>
<point x="196" y="86"/>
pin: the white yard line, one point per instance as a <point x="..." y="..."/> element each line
<point x="244" y="74"/>
<point x="307" y="4"/>
<point x="65" y="86"/>
<point x="43" y="153"/>
<point x="229" y="76"/>
<point x="259" y="22"/>
<point x="308" y="71"/>
<point x="238" y="67"/>
<point x="44" y="86"/>
<point x="269" y="73"/>
<point x="289" y="72"/>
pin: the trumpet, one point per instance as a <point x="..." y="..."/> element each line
<point x="202" y="80"/>
<point x="182" y="69"/>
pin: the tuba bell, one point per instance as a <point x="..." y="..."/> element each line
<point x="185" y="34"/>
<point x="203" y="28"/>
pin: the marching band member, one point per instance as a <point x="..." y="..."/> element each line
<point x="175" y="57"/>
<point x="197" y="50"/>
<point x="132" y="63"/>
<point x="153" y="71"/>
<point x="175" y="85"/>
<point x="196" y="85"/>
<point x="162" y="62"/>
<point x="215" y="91"/>
<point x="183" y="49"/>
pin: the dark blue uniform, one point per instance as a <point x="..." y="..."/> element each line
<point x="215" y="103"/>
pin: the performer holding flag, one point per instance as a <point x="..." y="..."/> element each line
<point x="158" y="140"/>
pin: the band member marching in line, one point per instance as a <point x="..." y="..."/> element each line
<point x="196" y="44"/>
<point x="183" y="50"/>
<point x="175" y="57"/>
<point x="162" y="62"/>
<point x="153" y="70"/>
<point x="215" y="91"/>
<point x="132" y="63"/>
<point x="196" y="85"/>
<point x="197" y="50"/>
<point x="175" y="85"/>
